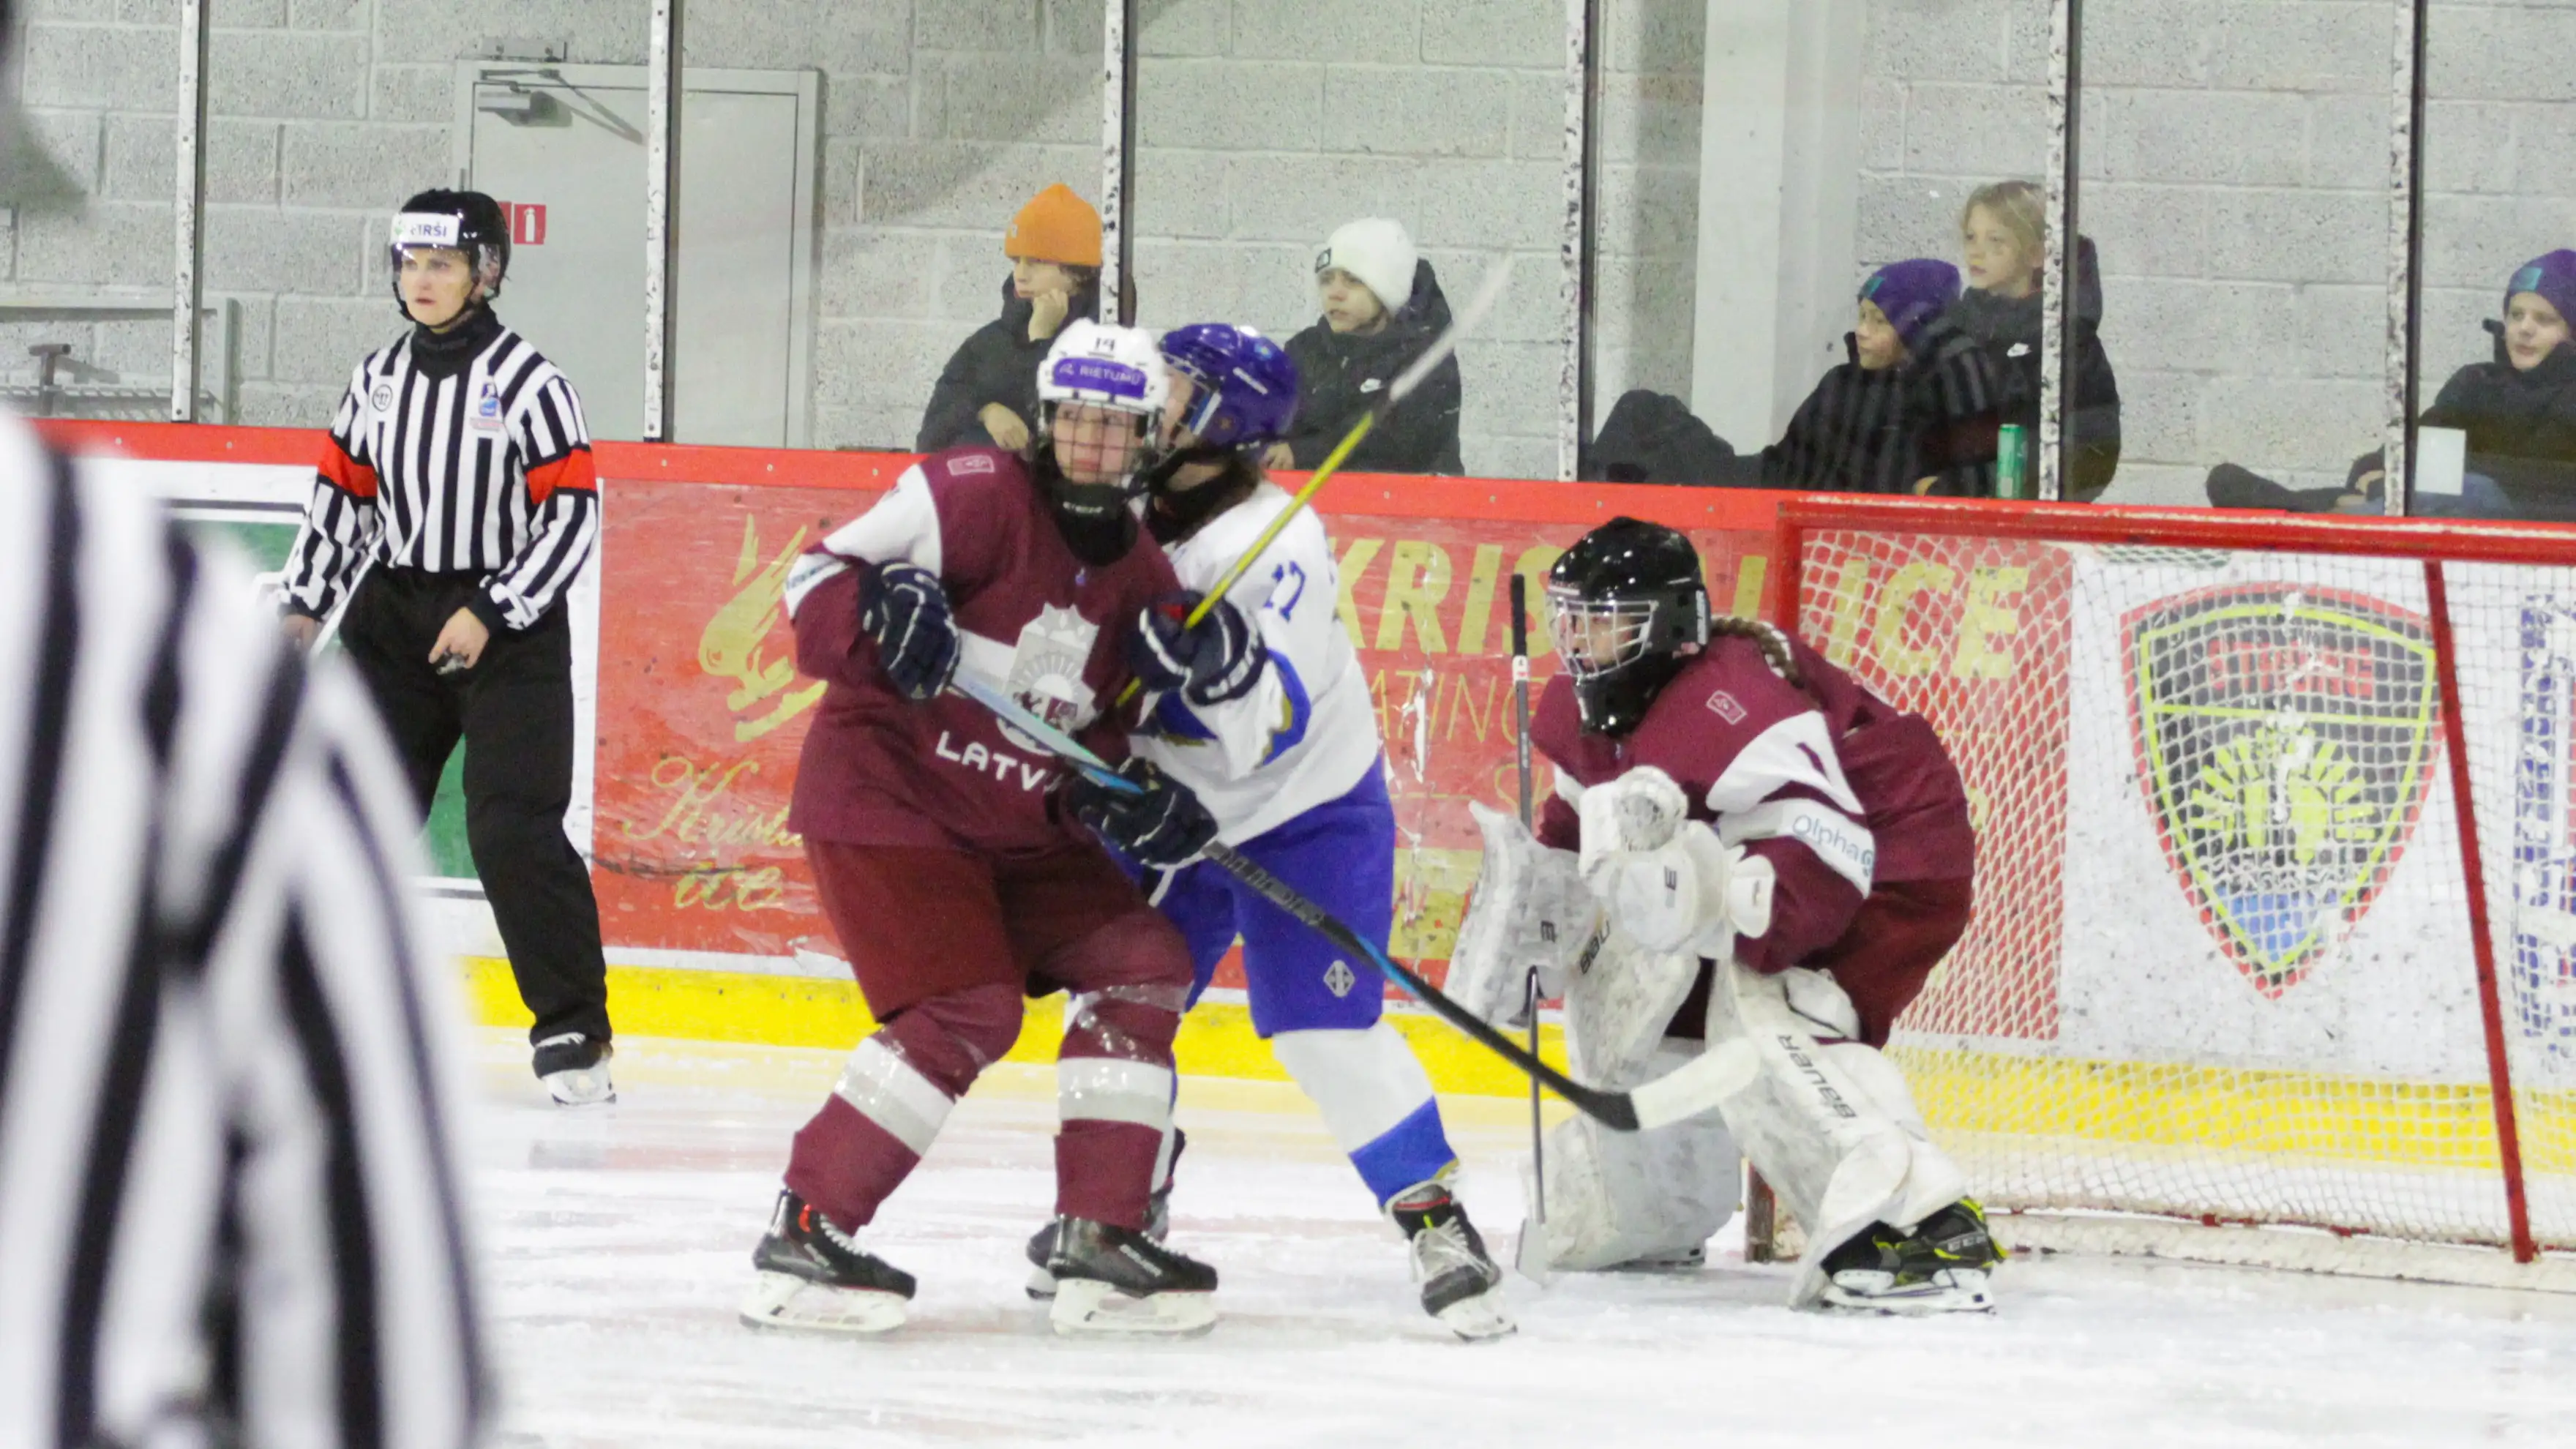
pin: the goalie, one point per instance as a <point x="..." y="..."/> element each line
<point x="1750" y="853"/>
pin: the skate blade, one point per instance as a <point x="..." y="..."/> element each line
<point x="1479" y="1319"/>
<point x="783" y="1300"/>
<point x="1967" y="1290"/>
<point x="1087" y="1306"/>
<point x="1041" y="1285"/>
<point x="589" y="1087"/>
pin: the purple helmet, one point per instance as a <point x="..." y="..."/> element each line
<point x="1244" y="387"/>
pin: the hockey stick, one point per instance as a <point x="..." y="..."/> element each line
<point x="1440" y="350"/>
<point x="1705" y="1082"/>
<point x="1531" y="1254"/>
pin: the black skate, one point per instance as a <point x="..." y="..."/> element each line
<point x="813" y="1275"/>
<point x="1461" y="1286"/>
<point x="1944" y="1266"/>
<point x="575" y="1070"/>
<point x="1117" y="1280"/>
<point x="1158" y="1226"/>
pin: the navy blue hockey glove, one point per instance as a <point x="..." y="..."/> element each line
<point x="1218" y="659"/>
<point x="1162" y="825"/>
<point x="902" y="607"/>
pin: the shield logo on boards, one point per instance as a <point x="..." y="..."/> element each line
<point x="2285" y="739"/>
<point x="2543" y="926"/>
<point x="1046" y="673"/>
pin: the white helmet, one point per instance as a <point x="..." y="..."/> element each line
<point x="1119" y="368"/>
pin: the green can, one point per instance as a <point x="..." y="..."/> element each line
<point x="2012" y="459"/>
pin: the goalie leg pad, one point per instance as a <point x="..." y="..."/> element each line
<point x="1618" y="1198"/>
<point x="1814" y="1129"/>
<point x="1617" y="1006"/>
<point x="1530" y="909"/>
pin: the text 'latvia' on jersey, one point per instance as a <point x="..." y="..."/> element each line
<point x="483" y="469"/>
<point x="1307" y="732"/>
<point x="1837" y="788"/>
<point x="1032" y="618"/>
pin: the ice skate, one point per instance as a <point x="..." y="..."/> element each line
<point x="575" y="1070"/>
<point x="1113" y="1280"/>
<point x="1944" y="1266"/>
<point x="1158" y="1226"/>
<point x="815" y="1276"/>
<point x="1461" y="1285"/>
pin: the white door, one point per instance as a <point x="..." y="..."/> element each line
<point x="563" y="148"/>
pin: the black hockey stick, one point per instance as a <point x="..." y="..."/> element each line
<point x="1707" y="1080"/>
<point x="1531" y="1253"/>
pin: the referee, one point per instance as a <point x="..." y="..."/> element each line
<point x="457" y="498"/>
<point x="229" y="1190"/>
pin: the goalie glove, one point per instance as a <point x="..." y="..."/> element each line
<point x="1530" y="909"/>
<point x="1694" y="894"/>
<point x="1638" y="811"/>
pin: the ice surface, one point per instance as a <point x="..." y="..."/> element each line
<point x="618" y="1241"/>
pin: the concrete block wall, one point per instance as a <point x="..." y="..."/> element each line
<point x="2235" y="179"/>
<point x="1265" y="126"/>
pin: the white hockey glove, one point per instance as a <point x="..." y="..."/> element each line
<point x="1530" y="909"/>
<point x="1694" y="894"/>
<point x="1638" y="811"/>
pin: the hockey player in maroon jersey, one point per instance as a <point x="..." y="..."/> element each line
<point x="1749" y="852"/>
<point x="946" y="853"/>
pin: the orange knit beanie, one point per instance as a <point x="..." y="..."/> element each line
<point x="1056" y="226"/>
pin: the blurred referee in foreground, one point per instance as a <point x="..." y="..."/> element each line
<point x="457" y="499"/>
<point x="229" y="1209"/>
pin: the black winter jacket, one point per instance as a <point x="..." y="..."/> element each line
<point x="1341" y="375"/>
<point x="2521" y="427"/>
<point x="2008" y="329"/>
<point x="997" y="363"/>
<point x="1932" y="416"/>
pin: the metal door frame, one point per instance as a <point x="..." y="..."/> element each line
<point x="803" y="299"/>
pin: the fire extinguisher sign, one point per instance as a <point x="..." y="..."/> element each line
<point x="527" y="222"/>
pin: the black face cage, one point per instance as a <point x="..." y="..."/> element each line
<point x="1598" y="637"/>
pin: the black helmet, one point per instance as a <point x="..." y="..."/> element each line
<point x="466" y="221"/>
<point x="1621" y="602"/>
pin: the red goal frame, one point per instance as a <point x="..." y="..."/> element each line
<point x="2433" y="542"/>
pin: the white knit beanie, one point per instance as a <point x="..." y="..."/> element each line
<point x="1378" y="252"/>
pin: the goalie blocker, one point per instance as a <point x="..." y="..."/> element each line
<point x="1747" y="854"/>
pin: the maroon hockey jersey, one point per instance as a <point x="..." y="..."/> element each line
<point x="878" y="769"/>
<point x="1837" y="788"/>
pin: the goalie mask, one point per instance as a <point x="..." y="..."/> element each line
<point x="1622" y="603"/>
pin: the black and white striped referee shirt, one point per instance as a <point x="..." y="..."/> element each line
<point x="464" y="454"/>
<point x="229" y="1197"/>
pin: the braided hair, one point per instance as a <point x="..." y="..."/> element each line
<point x="1774" y="644"/>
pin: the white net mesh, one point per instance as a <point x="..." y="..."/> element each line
<point x="2220" y="967"/>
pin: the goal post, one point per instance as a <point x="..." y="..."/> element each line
<point x="2274" y="952"/>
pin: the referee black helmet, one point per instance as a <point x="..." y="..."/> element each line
<point x="466" y="221"/>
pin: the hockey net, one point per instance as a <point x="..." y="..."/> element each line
<point x="2244" y="979"/>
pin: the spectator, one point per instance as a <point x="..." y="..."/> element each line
<point x="988" y="393"/>
<point x="1913" y="411"/>
<point x="2002" y="232"/>
<point x="1363" y="340"/>
<point x="2518" y="410"/>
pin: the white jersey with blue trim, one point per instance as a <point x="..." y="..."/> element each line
<point x="1308" y="732"/>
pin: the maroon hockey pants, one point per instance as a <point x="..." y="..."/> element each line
<point x="944" y="943"/>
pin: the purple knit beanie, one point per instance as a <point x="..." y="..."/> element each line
<point x="1912" y="293"/>
<point x="2553" y="277"/>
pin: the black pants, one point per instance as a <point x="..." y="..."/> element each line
<point x="514" y="712"/>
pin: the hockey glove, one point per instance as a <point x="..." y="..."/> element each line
<point x="902" y="607"/>
<point x="1162" y="825"/>
<point x="1217" y="660"/>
